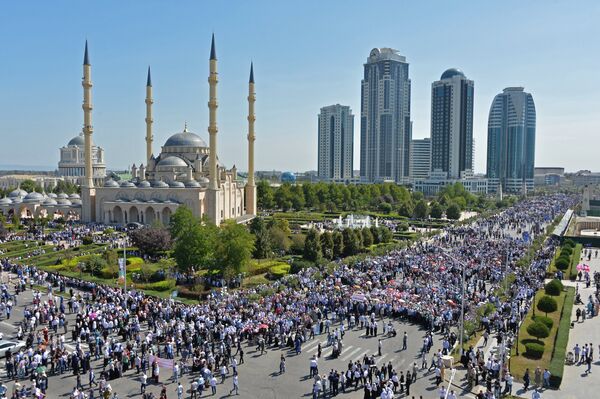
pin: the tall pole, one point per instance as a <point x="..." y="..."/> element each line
<point x="88" y="130"/>
<point x="149" y="120"/>
<point x="212" y="124"/>
<point x="250" y="185"/>
<point x="125" y="265"/>
<point x="462" y="311"/>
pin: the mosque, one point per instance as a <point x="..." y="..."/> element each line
<point x="186" y="172"/>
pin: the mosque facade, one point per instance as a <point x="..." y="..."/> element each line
<point x="72" y="161"/>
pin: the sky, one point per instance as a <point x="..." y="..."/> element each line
<point x="306" y="55"/>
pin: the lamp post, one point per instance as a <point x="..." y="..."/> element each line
<point x="462" y="303"/>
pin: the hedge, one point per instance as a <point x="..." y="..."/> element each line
<point x="562" y="339"/>
<point x="160" y="286"/>
<point x="553" y="288"/>
<point x="562" y="263"/>
<point x="134" y="260"/>
<point x="575" y="261"/>
<point x="548" y="322"/>
<point x="277" y="272"/>
<point x="538" y="330"/>
<point x="547" y="304"/>
<point x="534" y="350"/>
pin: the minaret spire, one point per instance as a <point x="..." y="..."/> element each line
<point x="212" y="117"/>
<point x="149" y="101"/>
<point x="88" y="130"/>
<point x="250" y="185"/>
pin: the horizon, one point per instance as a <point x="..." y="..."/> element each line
<point x="298" y="71"/>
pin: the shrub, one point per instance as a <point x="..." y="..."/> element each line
<point x="134" y="260"/>
<point x="277" y="272"/>
<point x="553" y="288"/>
<point x="109" y="272"/>
<point x="300" y="264"/>
<point x="166" y="285"/>
<point x="562" y="263"/>
<point x="534" y="350"/>
<point x="569" y="243"/>
<point x="87" y="240"/>
<point x="538" y="330"/>
<point x="566" y="251"/>
<point x="545" y="321"/>
<point x="547" y="304"/>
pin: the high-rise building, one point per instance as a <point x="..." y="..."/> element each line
<point x="420" y="158"/>
<point x="385" y="128"/>
<point x="336" y="143"/>
<point x="452" y="124"/>
<point x="511" y="140"/>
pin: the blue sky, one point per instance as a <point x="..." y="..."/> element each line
<point x="306" y="55"/>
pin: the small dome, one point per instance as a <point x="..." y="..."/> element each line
<point x="185" y="139"/>
<point x="127" y="184"/>
<point x="76" y="201"/>
<point x="203" y="180"/>
<point x="176" y="184"/>
<point x="63" y="201"/>
<point x="77" y="140"/>
<point x="33" y="197"/>
<point x="449" y="73"/>
<point x="160" y="184"/>
<point x="144" y="184"/>
<point x="288" y="177"/>
<point x="5" y="201"/>
<point x="17" y="200"/>
<point x="111" y="183"/>
<point x="49" y="202"/>
<point x="74" y="196"/>
<point x="62" y="196"/>
<point x="52" y="195"/>
<point x="192" y="184"/>
<point x="17" y="193"/>
<point x="172" y="161"/>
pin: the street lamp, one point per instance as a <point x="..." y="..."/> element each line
<point x="462" y="303"/>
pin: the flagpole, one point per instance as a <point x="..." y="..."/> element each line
<point x="125" y="265"/>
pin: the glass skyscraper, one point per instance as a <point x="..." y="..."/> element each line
<point x="385" y="128"/>
<point x="452" y="124"/>
<point x="511" y="140"/>
<point x="336" y="143"/>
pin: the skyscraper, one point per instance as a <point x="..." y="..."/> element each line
<point x="385" y="128"/>
<point x="511" y="140"/>
<point x="336" y="143"/>
<point x="452" y="124"/>
<point x="420" y="158"/>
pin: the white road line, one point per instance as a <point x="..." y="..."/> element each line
<point x="380" y="359"/>
<point x="349" y="355"/>
<point x="360" y="356"/>
<point x="312" y="345"/>
<point x="5" y="323"/>
<point x="401" y="362"/>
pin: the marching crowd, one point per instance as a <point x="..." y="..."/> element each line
<point x="133" y="334"/>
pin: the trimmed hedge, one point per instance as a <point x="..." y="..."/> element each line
<point x="134" y="260"/>
<point x="557" y="363"/>
<point x="547" y="304"/>
<point x="548" y="322"/>
<point x="562" y="263"/>
<point x="279" y="271"/>
<point x="553" y="288"/>
<point x="160" y="286"/>
<point x="534" y="350"/>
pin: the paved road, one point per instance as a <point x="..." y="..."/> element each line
<point x="259" y="376"/>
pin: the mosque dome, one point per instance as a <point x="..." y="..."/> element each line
<point x="17" y="193"/>
<point x="77" y="141"/>
<point x="17" y="200"/>
<point x="449" y="73"/>
<point x="185" y="139"/>
<point x="144" y="184"/>
<point x="111" y="183"/>
<point x="63" y="201"/>
<point x="160" y="184"/>
<point x="192" y="184"/>
<point x="62" y="196"/>
<point x="52" y="195"/>
<point x="172" y="161"/>
<point x="5" y="201"/>
<point x="127" y="184"/>
<point x="288" y="177"/>
<point x="176" y="184"/>
<point x="74" y="196"/>
<point x="49" y="201"/>
<point x="33" y="197"/>
<point x="76" y="201"/>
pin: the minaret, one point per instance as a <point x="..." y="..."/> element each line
<point x="149" y="119"/>
<point x="212" y="118"/>
<point x="250" y="185"/>
<point x="87" y="118"/>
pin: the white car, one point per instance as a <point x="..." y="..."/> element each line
<point x="12" y="345"/>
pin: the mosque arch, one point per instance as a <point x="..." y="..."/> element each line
<point x="118" y="216"/>
<point x="134" y="215"/>
<point x="166" y="216"/>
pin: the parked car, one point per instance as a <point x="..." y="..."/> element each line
<point x="12" y="345"/>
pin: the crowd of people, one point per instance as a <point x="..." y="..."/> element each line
<point x="136" y="335"/>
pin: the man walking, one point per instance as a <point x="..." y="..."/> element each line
<point x="404" y="341"/>
<point x="235" y="385"/>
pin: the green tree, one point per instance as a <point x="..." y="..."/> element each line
<point x="538" y="330"/>
<point x="352" y="243"/>
<point x="95" y="264"/>
<point x="297" y="245"/>
<point x="310" y="195"/>
<point x="233" y="249"/>
<point x="181" y="221"/>
<point x="327" y="245"/>
<point x="405" y="209"/>
<point x="283" y="197"/>
<point x="453" y="211"/>
<point x="29" y="186"/>
<point x="547" y="304"/>
<point x="421" y="210"/>
<point x="437" y="210"/>
<point x="194" y="241"/>
<point x="338" y="244"/>
<point x="264" y="195"/>
<point x="298" y="202"/>
<point x="312" y="246"/>
<point x="152" y="241"/>
<point x="386" y="234"/>
<point x="262" y="238"/>
<point x="376" y="233"/>
<point x="367" y="237"/>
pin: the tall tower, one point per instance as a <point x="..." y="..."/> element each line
<point x="87" y="118"/>
<point x="88" y="193"/>
<point x="149" y="120"/>
<point x="212" y="117"/>
<point x="250" y="185"/>
<point x="335" y="143"/>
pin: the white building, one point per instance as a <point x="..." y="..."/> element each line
<point x="72" y="161"/>
<point x="420" y="158"/>
<point x="336" y="143"/>
<point x="432" y="185"/>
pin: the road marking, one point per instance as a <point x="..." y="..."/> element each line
<point x="382" y="357"/>
<point x="5" y="323"/>
<point x="313" y="345"/>
<point x="349" y="355"/>
<point x="401" y="362"/>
